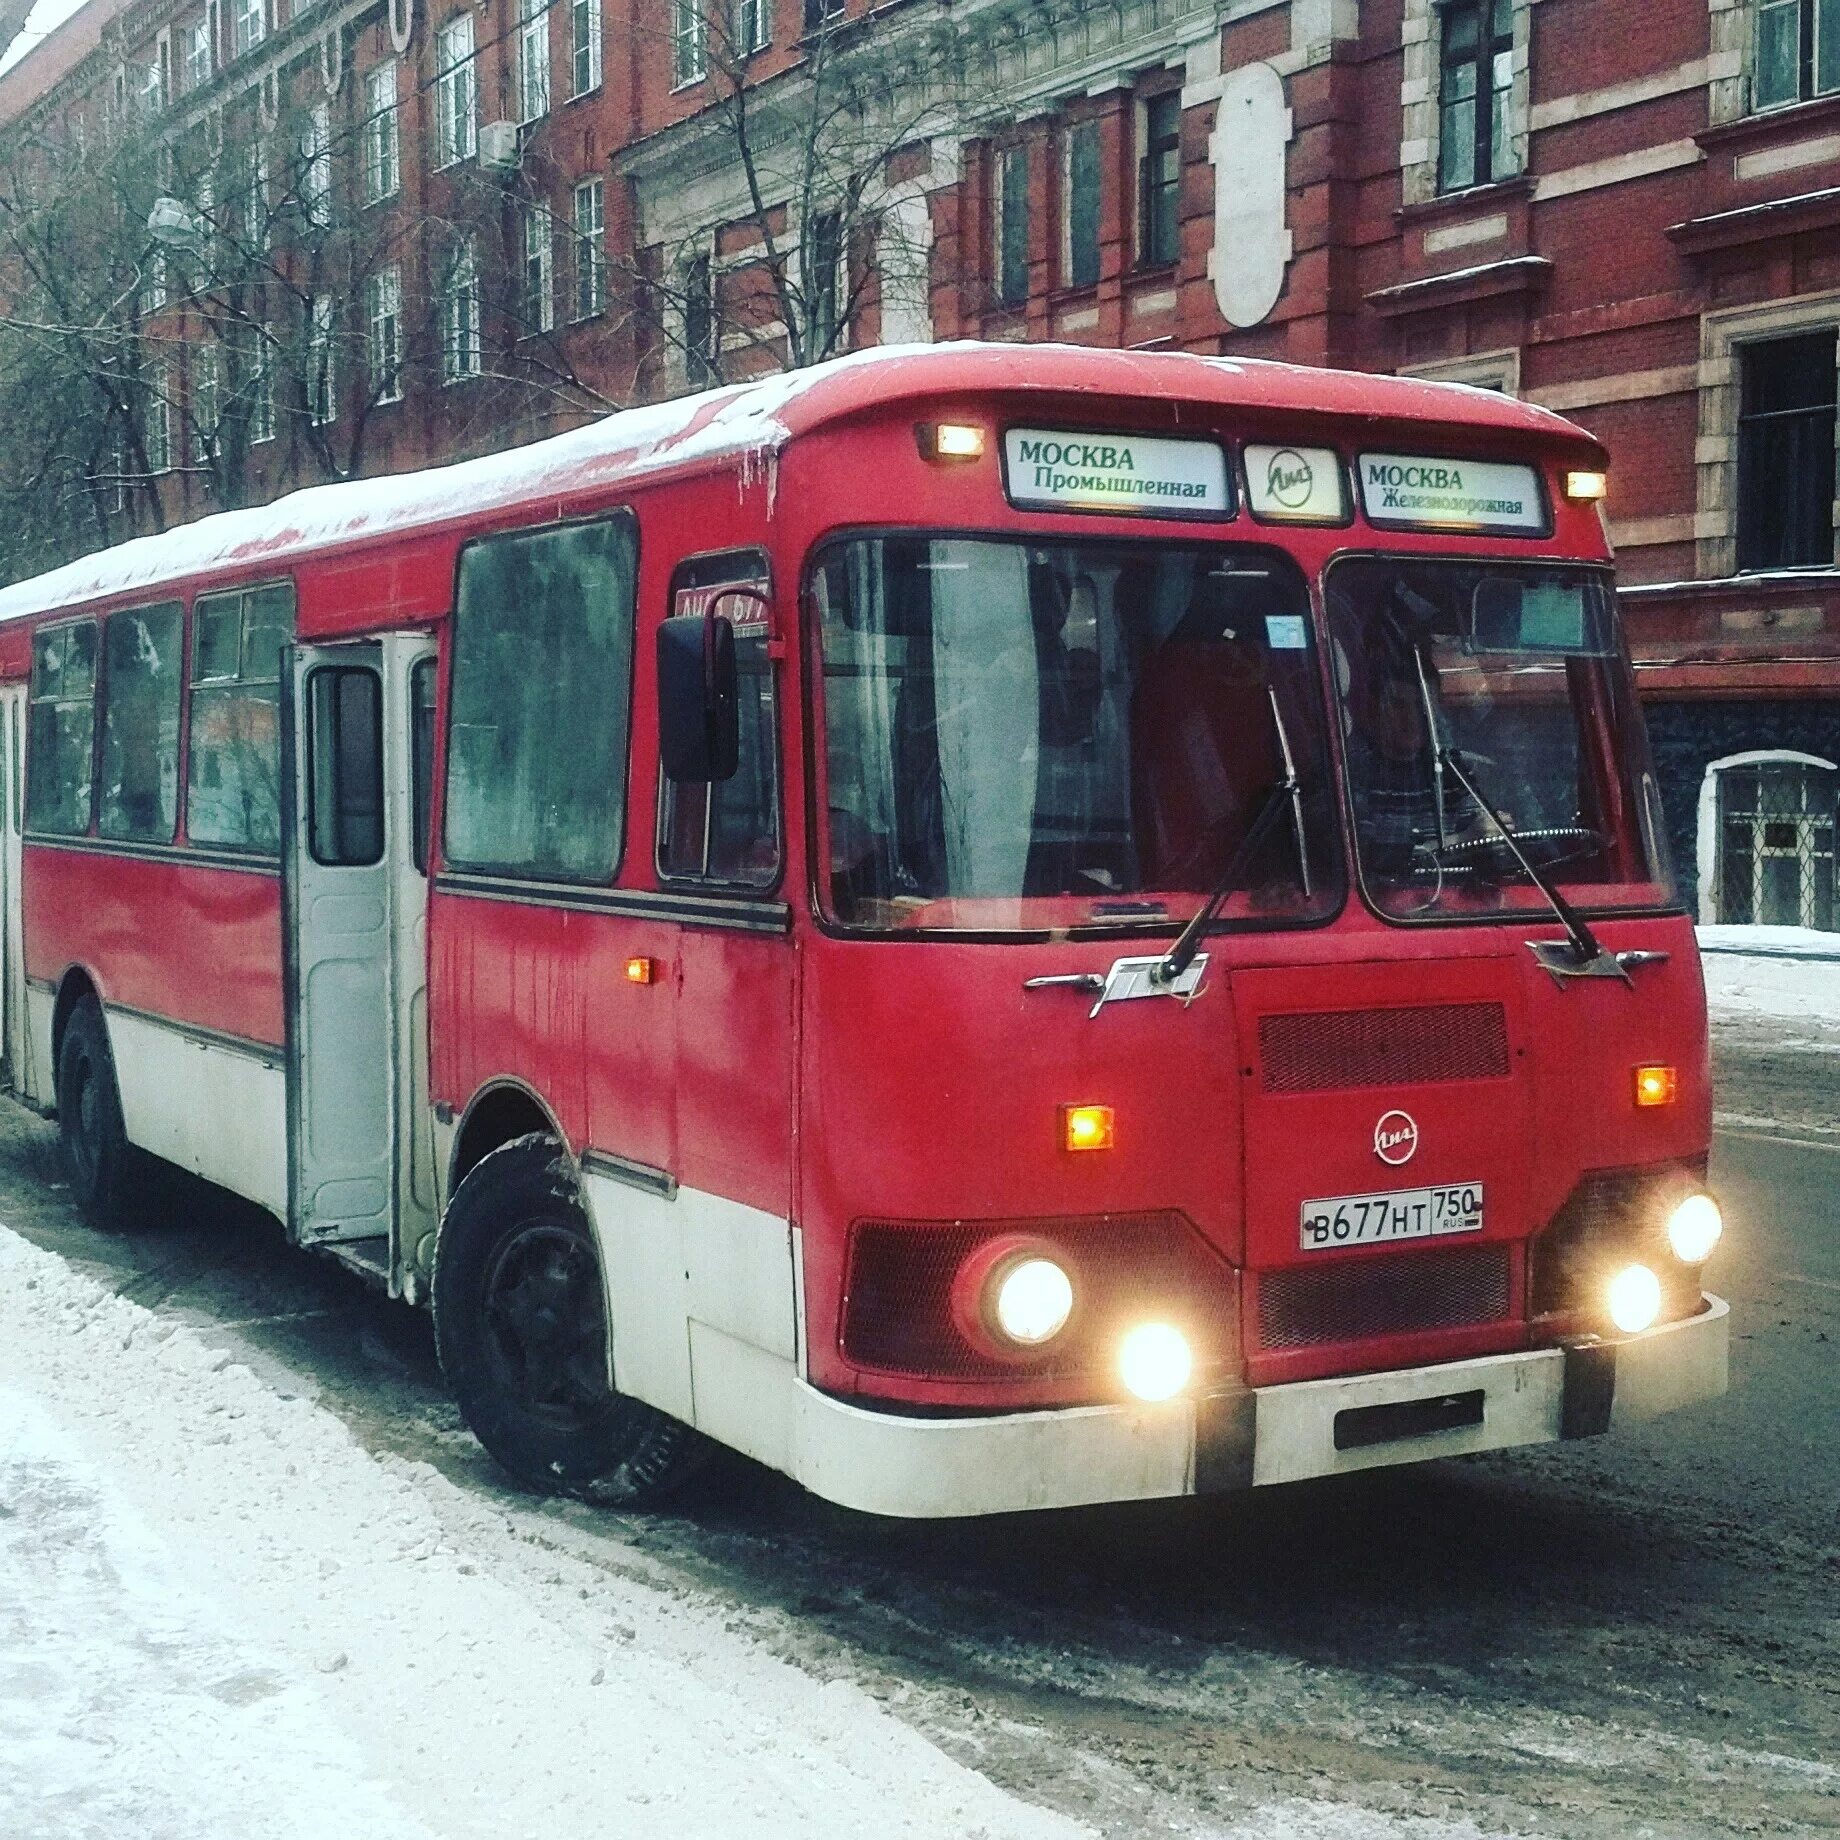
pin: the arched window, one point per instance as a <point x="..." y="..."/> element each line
<point x="1775" y="820"/>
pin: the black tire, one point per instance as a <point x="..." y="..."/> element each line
<point x="520" y="1326"/>
<point x="98" y="1158"/>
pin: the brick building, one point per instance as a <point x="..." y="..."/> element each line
<point x="1626" y="210"/>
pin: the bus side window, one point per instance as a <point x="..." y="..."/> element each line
<point x="61" y="735"/>
<point x="143" y="660"/>
<point x="727" y="831"/>
<point x="421" y="757"/>
<point x="538" y="700"/>
<point x="233" y="785"/>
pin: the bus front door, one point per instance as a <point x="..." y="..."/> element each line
<point x="346" y="843"/>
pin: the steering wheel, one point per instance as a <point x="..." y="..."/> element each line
<point x="1494" y="846"/>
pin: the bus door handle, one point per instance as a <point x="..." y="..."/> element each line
<point x="1089" y="981"/>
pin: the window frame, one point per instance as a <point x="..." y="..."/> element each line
<point x="461" y="317"/>
<point x="58" y="700"/>
<point x="1745" y="460"/>
<point x="533" y="60"/>
<point x="1813" y="52"/>
<point x="383" y="308"/>
<point x="588" y="13"/>
<point x="620" y="515"/>
<point x="1011" y="212"/>
<point x="456" y="93"/>
<point x="590" y="239"/>
<point x="244" y="593"/>
<point x="761" y="577"/>
<point x="1153" y="186"/>
<point x="1490" y="45"/>
<point x="382" y="134"/>
<point x="689" y="43"/>
<point x="1085" y="130"/>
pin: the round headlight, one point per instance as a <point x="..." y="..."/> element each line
<point x="1693" y="1229"/>
<point x="1155" y="1362"/>
<point x="1634" y="1299"/>
<point x="1033" y="1300"/>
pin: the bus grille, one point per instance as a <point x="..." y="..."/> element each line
<point x="1357" y="1300"/>
<point x="897" y="1311"/>
<point x="1612" y="1215"/>
<point x="1422" y="1046"/>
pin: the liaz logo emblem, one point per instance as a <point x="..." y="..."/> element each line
<point x="1396" y="1138"/>
<point x="1290" y="479"/>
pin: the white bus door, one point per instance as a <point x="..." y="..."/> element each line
<point x="15" y="1037"/>
<point x="338" y="849"/>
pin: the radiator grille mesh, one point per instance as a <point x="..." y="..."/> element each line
<point x="1357" y="1300"/>
<point x="1423" y="1046"/>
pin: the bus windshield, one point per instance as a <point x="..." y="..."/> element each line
<point x="1514" y="678"/>
<point x="1023" y="736"/>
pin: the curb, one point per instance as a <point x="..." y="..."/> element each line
<point x="1802" y="958"/>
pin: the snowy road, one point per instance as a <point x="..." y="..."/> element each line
<point x="255" y="1581"/>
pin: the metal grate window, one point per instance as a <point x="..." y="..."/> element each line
<point x="1777" y="827"/>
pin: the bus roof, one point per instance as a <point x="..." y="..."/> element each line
<point x="743" y="420"/>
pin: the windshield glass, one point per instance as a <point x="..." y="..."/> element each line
<point x="1521" y="671"/>
<point x="1028" y="735"/>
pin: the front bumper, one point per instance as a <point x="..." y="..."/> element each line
<point x="923" y="1468"/>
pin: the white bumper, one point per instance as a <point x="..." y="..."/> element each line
<point x="881" y="1463"/>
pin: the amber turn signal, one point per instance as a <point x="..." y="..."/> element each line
<point x="1656" y="1086"/>
<point x="639" y="970"/>
<point x="1087" y="1127"/>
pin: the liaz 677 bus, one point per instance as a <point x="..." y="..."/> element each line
<point x="994" y="928"/>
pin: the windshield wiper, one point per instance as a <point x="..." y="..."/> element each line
<point x="1286" y="791"/>
<point x="1587" y="958"/>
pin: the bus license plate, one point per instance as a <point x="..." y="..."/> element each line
<point x="1403" y="1213"/>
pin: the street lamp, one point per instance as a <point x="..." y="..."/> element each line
<point x="172" y="226"/>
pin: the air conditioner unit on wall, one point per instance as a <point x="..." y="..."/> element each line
<point x="498" y="146"/>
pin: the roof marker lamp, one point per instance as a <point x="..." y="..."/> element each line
<point x="1694" y="1228"/>
<point x="1634" y="1297"/>
<point x="1155" y="1362"/>
<point x="946" y="442"/>
<point x="1586" y="488"/>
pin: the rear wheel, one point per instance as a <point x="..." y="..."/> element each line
<point x="521" y="1325"/>
<point x="97" y="1155"/>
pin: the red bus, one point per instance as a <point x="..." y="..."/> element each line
<point x="992" y="927"/>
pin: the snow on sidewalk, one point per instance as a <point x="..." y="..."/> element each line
<point x="1786" y="973"/>
<point x="220" y="1616"/>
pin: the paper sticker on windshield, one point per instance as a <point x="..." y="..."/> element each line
<point x="1411" y="490"/>
<point x="1064" y="471"/>
<point x="1286" y="632"/>
<point x="1296" y="485"/>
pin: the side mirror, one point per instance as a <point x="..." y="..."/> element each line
<point x="699" y="726"/>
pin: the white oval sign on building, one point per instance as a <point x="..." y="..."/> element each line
<point x="1252" y="248"/>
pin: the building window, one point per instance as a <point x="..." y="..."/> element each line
<point x="1776" y="827"/>
<point x="533" y="58"/>
<point x="539" y="270"/>
<point x="823" y="296"/>
<point x="585" y="45"/>
<point x="316" y="165"/>
<point x="322" y="367"/>
<point x="255" y="197"/>
<point x="156" y="427"/>
<point x="461" y="352"/>
<point x="382" y="150"/>
<point x="1786" y="452"/>
<point x="820" y="13"/>
<point x="691" y="53"/>
<point x="753" y="26"/>
<point x="199" y="61"/>
<point x="261" y="389"/>
<point x="153" y="283"/>
<point x="1475" y="90"/>
<point x="456" y="128"/>
<point x="588" y="223"/>
<point x="383" y="311"/>
<point x="201" y="427"/>
<point x="248" y="25"/>
<point x="699" y="324"/>
<point x="1080" y="206"/>
<point x="1798" y="50"/>
<point x="1159" y="181"/>
<point x="1012" y="226"/>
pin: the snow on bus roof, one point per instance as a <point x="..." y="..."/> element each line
<point x="738" y="420"/>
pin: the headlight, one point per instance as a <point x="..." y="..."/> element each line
<point x="1693" y="1229"/>
<point x="1032" y="1301"/>
<point x="1155" y="1361"/>
<point x="1634" y="1299"/>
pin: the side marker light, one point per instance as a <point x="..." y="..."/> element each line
<point x="1657" y="1086"/>
<point x="1087" y="1127"/>
<point x="640" y="970"/>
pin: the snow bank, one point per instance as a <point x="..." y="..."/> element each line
<point x="220" y="1616"/>
<point x="1790" y="973"/>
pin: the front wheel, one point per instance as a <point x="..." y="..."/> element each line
<point x="521" y="1327"/>
<point x="97" y="1155"/>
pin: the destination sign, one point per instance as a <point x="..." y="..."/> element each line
<point x="1301" y="485"/>
<point x="1414" y="490"/>
<point x="1051" y="469"/>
